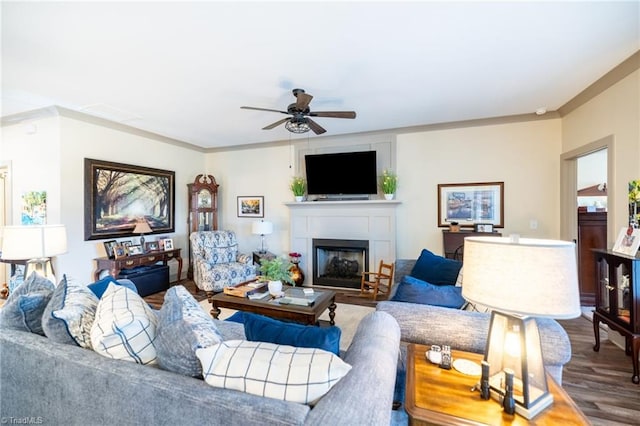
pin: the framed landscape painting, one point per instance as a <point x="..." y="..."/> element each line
<point x="117" y="195"/>
<point x="251" y="206"/>
<point x="471" y="203"/>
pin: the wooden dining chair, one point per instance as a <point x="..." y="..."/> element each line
<point x="377" y="282"/>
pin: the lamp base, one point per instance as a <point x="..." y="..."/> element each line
<point x="41" y="266"/>
<point x="527" y="412"/>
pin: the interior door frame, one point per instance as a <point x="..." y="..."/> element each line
<point x="5" y="210"/>
<point x="569" y="188"/>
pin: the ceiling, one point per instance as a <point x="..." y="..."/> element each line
<point x="183" y="69"/>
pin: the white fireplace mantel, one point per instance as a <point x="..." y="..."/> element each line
<point x="371" y="220"/>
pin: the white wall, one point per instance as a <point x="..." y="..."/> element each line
<point x="53" y="160"/>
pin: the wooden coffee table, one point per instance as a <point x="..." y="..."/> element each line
<point x="444" y="397"/>
<point x="272" y="308"/>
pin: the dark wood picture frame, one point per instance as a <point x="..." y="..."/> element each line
<point x="471" y="203"/>
<point x="108" y="248"/>
<point x="116" y="195"/>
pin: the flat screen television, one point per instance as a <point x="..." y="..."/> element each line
<point x="345" y="173"/>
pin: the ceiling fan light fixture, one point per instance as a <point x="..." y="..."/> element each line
<point x="297" y="125"/>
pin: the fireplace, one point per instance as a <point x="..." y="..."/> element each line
<point x="339" y="263"/>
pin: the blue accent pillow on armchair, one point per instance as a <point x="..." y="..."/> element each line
<point x="413" y="290"/>
<point x="436" y="269"/>
<point x="259" y="328"/>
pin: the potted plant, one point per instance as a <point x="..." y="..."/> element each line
<point x="298" y="187"/>
<point x="388" y="184"/>
<point x="275" y="271"/>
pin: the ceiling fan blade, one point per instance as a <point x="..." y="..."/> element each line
<point x="317" y="129"/>
<point x="264" y="109"/>
<point x="302" y="101"/>
<point x="276" y="124"/>
<point x="334" y="114"/>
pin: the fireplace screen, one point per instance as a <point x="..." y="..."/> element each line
<point x="339" y="263"/>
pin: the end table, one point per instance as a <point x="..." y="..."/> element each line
<point x="258" y="256"/>
<point x="444" y="397"/>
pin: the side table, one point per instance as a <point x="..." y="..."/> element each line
<point x="444" y="397"/>
<point x="114" y="266"/>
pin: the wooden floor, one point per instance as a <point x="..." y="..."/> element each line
<point x="599" y="382"/>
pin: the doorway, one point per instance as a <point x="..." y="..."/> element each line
<point x="586" y="174"/>
<point x="4" y="212"/>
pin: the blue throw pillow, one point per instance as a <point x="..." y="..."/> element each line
<point x="99" y="287"/>
<point x="436" y="269"/>
<point x="259" y="328"/>
<point x="413" y="290"/>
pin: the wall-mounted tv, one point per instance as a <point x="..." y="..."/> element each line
<point x="345" y="173"/>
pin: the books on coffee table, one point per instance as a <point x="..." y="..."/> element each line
<point x="246" y="289"/>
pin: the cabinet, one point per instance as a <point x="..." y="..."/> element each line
<point x="592" y="234"/>
<point x="452" y="242"/>
<point x="617" y="301"/>
<point x="115" y="266"/>
<point x="203" y="209"/>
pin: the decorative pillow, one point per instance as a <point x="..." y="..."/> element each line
<point x="236" y="317"/>
<point x="124" y="327"/>
<point x="301" y="375"/>
<point x="69" y="314"/>
<point x="264" y="329"/>
<point x="25" y="305"/>
<point x="413" y="290"/>
<point x="99" y="287"/>
<point x="436" y="269"/>
<point x="183" y="327"/>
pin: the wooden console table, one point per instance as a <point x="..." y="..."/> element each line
<point x="114" y="266"/>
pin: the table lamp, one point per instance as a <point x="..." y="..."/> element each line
<point x="520" y="278"/>
<point x="142" y="227"/>
<point x="36" y="245"/>
<point x="262" y="228"/>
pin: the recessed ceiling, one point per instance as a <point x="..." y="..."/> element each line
<point x="183" y="69"/>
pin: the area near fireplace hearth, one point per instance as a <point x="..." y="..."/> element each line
<point x="346" y="233"/>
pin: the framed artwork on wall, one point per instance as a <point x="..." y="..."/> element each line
<point x="117" y="195"/>
<point x="251" y="206"/>
<point x="471" y="203"/>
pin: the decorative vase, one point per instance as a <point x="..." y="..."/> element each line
<point x="296" y="274"/>
<point x="275" y="288"/>
<point x="299" y="198"/>
<point x="388" y="196"/>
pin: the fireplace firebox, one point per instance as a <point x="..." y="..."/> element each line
<point x="339" y="263"/>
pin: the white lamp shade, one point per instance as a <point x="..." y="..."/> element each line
<point x="31" y="242"/>
<point x="262" y="228"/>
<point x="525" y="276"/>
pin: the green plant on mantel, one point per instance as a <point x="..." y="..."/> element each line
<point x="276" y="269"/>
<point x="298" y="186"/>
<point x="388" y="182"/>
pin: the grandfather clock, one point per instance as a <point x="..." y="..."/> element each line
<point x="203" y="209"/>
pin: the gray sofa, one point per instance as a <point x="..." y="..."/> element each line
<point x="64" y="384"/>
<point x="465" y="330"/>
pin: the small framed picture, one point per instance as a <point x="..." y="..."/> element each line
<point x="135" y="249"/>
<point x="119" y="251"/>
<point x="628" y="241"/>
<point x="151" y="246"/>
<point x="483" y="227"/>
<point x="168" y="244"/>
<point x="252" y="206"/>
<point x="109" y="246"/>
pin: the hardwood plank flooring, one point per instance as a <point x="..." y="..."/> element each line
<point x="598" y="382"/>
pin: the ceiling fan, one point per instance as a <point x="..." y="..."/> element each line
<point x="300" y="121"/>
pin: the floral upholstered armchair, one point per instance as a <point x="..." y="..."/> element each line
<point x="217" y="263"/>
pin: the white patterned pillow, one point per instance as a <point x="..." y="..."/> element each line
<point x="283" y="372"/>
<point x="183" y="327"/>
<point x="69" y="314"/>
<point x="124" y="327"/>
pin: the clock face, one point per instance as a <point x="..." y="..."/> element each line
<point x="204" y="198"/>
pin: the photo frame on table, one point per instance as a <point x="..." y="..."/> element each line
<point x="471" y="203"/>
<point x="119" y="251"/>
<point x="251" y="206"/>
<point x="483" y="227"/>
<point x="108" y="248"/>
<point x="151" y="246"/>
<point x="117" y="195"/>
<point x="628" y="241"/>
<point x="168" y="244"/>
<point x="135" y="249"/>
